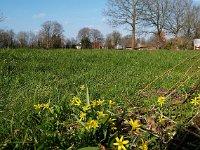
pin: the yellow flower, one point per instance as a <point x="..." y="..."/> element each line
<point x="110" y="102"/>
<point x="100" y="114"/>
<point x="38" y="106"/>
<point x="135" y="125"/>
<point x="75" y="101"/>
<point x="198" y="97"/>
<point x="82" y="116"/>
<point x="195" y="101"/>
<point x="92" y="124"/>
<point x="120" y="143"/>
<point x="144" y="145"/>
<point x="161" y="119"/>
<point x="94" y="103"/>
<point x="82" y="87"/>
<point x="45" y="106"/>
<point x="85" y="108"/>
<point x="112" y="123"/>
<point x="100" y="102"/>
<point x="161" y="100"/>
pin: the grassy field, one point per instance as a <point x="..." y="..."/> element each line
<point x="30" y="76"/>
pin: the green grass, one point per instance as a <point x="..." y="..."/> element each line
<point x="29" y="76"/>
<point x="39" y="75"/>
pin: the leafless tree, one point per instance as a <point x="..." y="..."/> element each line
<point x="192" y="19"/>
<point x="84" y="32"/>
<point x="116" y="38"/>
<point x="32" y="40"/>
<point x="23" y="39"/>
<point x="94" y="35"/>
<point x="113" y="39"/>
<point x="2" y="18"/>
<point x="155" y="16"/>
<point x="175" y="17"/>
<point x="7" y="38"/>
<point x="52" y="34"/>
<point x="124" y="12"/>
<point x="108" y="42"/>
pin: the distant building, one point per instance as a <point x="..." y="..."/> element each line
<point x="140" y="46"/>
<point x="119" y="46"/>
<point x="96" y="45"/>
<point x="197" y="44"/>
<point x="78" y="46"/>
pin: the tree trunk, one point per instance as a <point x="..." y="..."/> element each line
<point x="133" y="24"/>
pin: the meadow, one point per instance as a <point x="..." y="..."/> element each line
<point x="133" y="80"/>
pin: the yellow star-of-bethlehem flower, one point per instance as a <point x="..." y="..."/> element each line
<point x="100" y="114"/>
<point x="100" y="102"/>
<point x="110" y="102"/>
<point x="135" y="125"/>
<point x="112" y="123"/>
<point x="161" y="100"/>
<point x="120" y="143"/>
<point x="195" y="101"/>
<point x="82" y="116"/>
<point x="198" y="97"/>
<point x="85" y="108"/>
<point x="75" y="101"/>
<point x="144" y="145"/>
<point x="161" y="119"/>
<point x="38" y="106"/>
<point x="82" y="87"/>
<point x="45" y="106"/>
<point x="94" y="103"/>
<point x="92" y="124"/>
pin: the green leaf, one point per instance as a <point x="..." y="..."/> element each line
<point x="90" y="148"/>
<point x="87" y="97"/>
<point x="105" y="119"/>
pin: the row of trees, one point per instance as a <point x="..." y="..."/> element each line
<point x="179" y="18"/>
<point x="51" y="36"/>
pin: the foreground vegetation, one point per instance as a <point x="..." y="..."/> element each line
<point x="59" y="99"/>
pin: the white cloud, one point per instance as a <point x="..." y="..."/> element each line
<point x="40" y="15"/>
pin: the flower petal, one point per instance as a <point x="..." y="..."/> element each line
<point x="125" y="142"/>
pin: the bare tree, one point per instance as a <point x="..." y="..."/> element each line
<point x="192" y="19"/>
<point x="23" y="39"/>
<point x="116" y="38"/>
<point x="124" y="12"/>
<point x="108" y="42"/>
<point x="84" y="32"/>
<point x="113" y="39"/>
<point x="32" y="40"/>
<point x="52" y="34"/>
<point x="155" y="16"/>
<point x="175" y="17"/>
<point x="7" y="38"/>
<point x="2" y="18"/>
<point x="94" y="36"/>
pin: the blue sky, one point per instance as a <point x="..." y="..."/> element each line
<point x="28" y="15"/>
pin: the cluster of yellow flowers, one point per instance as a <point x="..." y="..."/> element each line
<point x="40" y="106"/>
<point x="92" y="113"/>
<point x="92" y="124"/>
